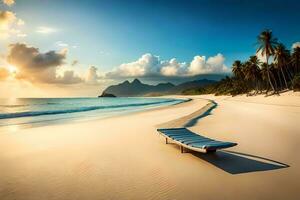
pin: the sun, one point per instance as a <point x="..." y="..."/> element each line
<point x="12" y="70"/>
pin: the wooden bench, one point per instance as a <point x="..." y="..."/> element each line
<point x="189" y="140"/>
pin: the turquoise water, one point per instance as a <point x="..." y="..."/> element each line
<point x="43" y="111"/>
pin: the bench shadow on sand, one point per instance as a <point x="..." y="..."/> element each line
<point x="234" y="162"/>
<point x="239" y="163"/>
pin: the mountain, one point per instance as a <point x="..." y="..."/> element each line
<point x="137" y="88"/>
<point x="190" y="85"/>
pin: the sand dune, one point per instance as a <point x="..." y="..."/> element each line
<point x="124" y="158"/>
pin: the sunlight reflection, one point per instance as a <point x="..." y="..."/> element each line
<point x="12" y="70"/>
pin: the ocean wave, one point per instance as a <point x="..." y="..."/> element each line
<point x="13" y="106"/>
<point x="75" y="110"/>
<point x="24" y="105"/>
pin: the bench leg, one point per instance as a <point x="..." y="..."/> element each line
<point x="166" y="140"/>
<point x="181" y="149"/>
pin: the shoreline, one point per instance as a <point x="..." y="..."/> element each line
<point x="68" y="120"/>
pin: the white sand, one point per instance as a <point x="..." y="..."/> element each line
<point x="124" y="158"/>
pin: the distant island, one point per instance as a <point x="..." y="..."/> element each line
<point x="137" y="88"/>
<point x="104" y="94"/>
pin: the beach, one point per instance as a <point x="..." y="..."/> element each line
<point x="124" y="158"/>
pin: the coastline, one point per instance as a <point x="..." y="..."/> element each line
<point x="98" y="116"/>
<point x="122" y="157"/>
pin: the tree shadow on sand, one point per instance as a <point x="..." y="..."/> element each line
<point x="239" y="163"/>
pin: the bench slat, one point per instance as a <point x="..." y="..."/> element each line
<point x="193" y="141"/>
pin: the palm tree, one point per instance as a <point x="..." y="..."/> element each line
<point x="252" y="71"/>
<point x="295" y="59"/>
<point x="281" y="57"/>
<point x="266" y="47"/>
<point x="237" y="68"/>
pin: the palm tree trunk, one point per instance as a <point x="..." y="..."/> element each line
<point x="275" y="83"/>
<point x="280" y="82"/>
<point x="296" y="70"/>
<point x="288" y="72"/>
<point x="268" y="70"/>
<point x="268" y="88"/>
<point x="259" y="86"/>
<point x="286" y="84"/>
<point x="289" y="76"/>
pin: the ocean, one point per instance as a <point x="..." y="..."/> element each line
<point x="28" y="112"/>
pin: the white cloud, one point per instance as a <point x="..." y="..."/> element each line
<point x="61" y="44"/>
<point x="20" y="22"/>
<point x="65" y="45"/>
<point x="9" y="24"/>
<point x="45" y="30"/>
<point x="147" y="64"/>
<point x="172" y="68"/>
<point x="296" y="44"/>
<point x="8" y="2"/>
<point x="262" y="58"/>
<point x="92" y="76"/>
<point x="214" y="64"/>
<point x="197" y="65"/>
<point x="21" y="35"/>
<point x="151" y="65"/>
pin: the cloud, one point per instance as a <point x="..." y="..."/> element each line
<point x="212" y="65"/>
<point x="8" y="2"/>
<point x="69" y="77"/>
<point x="75" y="62"/>
<point x="7" y="18"/>
<point x="92" y="75"/>
<point x="45" y="30"/>
<point x="10" y="24"/>
<point x="151" y="65"/>
<point x="261" y="58"/>
<point x="141" y="67"/>
<point x="172" y="68"/>
<point x="20" y="22"/>
<point x="35" y="66"/>
<point x="296" y="44"/>
<point x="21" y="35"/>
<point x="61" y="44"/>
<point x="22" y="55"/>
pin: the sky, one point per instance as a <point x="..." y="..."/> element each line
<point x="55" y="48"/>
